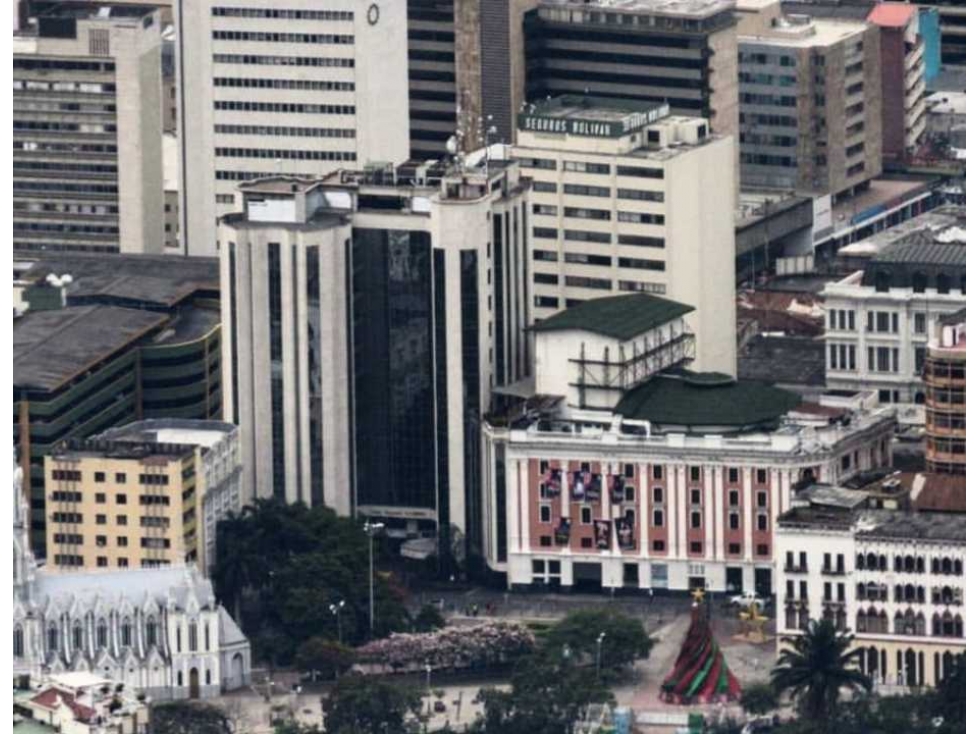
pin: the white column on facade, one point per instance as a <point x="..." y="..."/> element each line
<point x="302" y="375"/>
<point x="513" y="509"/>
<point x="643" y="532"/>
<point x="524" y="505"/>
<point x="720" y="517"/>
<point x="337" y="383"/>
<point x="785" y="489"/>
<point x="289" y="386"/>
<point x="606" y="505"/>
<point x="679" y="550"/>
<point x="748" y="521"/>
<point x="565" y="493"/>
<point x="709" y="510"/>
<point x="671" y="519"/>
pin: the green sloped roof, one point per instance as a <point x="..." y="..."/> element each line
<point x="619" y="317"/>
<point x="710" y="399"/>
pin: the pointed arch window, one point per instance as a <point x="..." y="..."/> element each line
<point x="53" y="638"/>
<point x="18" y="642"/>
<point x="127" y="633"/>
<point x="151" y="636"/>
<point x="192" y="635"/>
<point x="77" y="636"/>
<point x="102" y="634"/>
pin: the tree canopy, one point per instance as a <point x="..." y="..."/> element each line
<point x="188" y="717"/>
<point x="280" y="567"/>
<point x="816" y="668"/>
<point x="365" y="705"/>
<point x="547" y="697"/>
<point x="625" y="639"/>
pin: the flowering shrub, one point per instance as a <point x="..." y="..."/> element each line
<point x="451" y="647"/>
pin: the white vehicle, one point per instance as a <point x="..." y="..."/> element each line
<point x="745" y="600"/>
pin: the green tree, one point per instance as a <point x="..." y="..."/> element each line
<point x="327" y="658"/>
<point x="428" y="619"/>
<point x="816" y="667"/>
<point x="280" y="567"/>
<point x="759" y="699"/>
<point x="365" y="705"/>
<point x="625" y="639"/>
<point x="294" y="727"/>
<point x="186" y="717"/>
<point x="547" y="697"/>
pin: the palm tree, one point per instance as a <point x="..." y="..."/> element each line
<point x="817" y="667"/>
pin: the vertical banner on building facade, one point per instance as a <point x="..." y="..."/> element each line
<point x="563" y="533"/>
<point x="603" y="534"/>
<point x="577" y="486"/>
<point x="625" y="533"/>
<point x="552" y="485"/>
<point x="593" y="487"/>
<point x="618" y="489"/>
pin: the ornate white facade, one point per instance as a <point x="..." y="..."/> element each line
<point x="157" y="629"/>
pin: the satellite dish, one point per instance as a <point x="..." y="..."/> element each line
<point x="452" y="145"/>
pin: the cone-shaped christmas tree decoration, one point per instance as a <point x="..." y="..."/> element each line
<point x="700" y="674"/>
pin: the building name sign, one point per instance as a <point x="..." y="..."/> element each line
<point x="592" y="128"/>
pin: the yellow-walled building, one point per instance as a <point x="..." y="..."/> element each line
<point x="122" y="505"/>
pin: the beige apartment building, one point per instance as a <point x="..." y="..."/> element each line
<point x="630" y="198"/>
<point x="271" y="88"/>
<point x="86" y="128"/>
<point x="122" y="505"/>
<point x="810" y="101"/>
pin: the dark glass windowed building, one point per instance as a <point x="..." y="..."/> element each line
<point x="412" y="313"/>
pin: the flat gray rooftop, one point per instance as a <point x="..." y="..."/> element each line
<point x="897" y="525"/>
<point x="52" y="347"/>
<point x="162" y="280"/>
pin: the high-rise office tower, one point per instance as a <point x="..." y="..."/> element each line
<point x="466" y="72"/>
<point x="629" y="198"/>
<point x="683" y="52"/>
<point x="87" y="130"/>
<point x="283" y="88"/>
<point x="370" y="315"/>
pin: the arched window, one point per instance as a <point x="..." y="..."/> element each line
<point x="957" y="629"/>
<point x="909" y="592"/>
<point x="898" y="563"/>
<point x="909" y="564"/>
<point x="861" y="621"/>
<point x="127" y="633"/>
<point x="179" y="640"/>
<point x="920" y="566"/>
<point x="921" y="594"/>
<point x="180" y="677"/>
<point x="947" y="566"/>
<point x="942" y="283"/>
<point x="18" y="642"/>
<point x="919" y="625"/>
<point x="77" y="638"/>
<point x="899" y="622"/>
<point x="872" y="562"/>
<point x="919" y="281"/>
<point x="150" y="631"/>
<point x="207" y="677"/>
<point x="192" y="635"/>
<point x="936" y="566"/>
<point x="861" y="591"/>
<point x="860" y="561"/>
<point x="102" y="634"/>
<point x="882" y="562"/>
<point x="936" y="625"/>
<point x="957" y="567"/>
<point x="53" y="638"/>
<point x="207" y="638"/>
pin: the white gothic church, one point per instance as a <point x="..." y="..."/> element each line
<point x="159" y="630"/>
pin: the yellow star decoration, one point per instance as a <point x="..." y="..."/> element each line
<point x="698" y="595"/>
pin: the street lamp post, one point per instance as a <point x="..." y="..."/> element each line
<point x="371" y="528"/>
<point x="335" y="610"/>
<point x="598" y="657"/>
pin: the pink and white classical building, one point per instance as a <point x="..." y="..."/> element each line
<point x="615" y="467"/>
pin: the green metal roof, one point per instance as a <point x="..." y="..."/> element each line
<point x="692" y="399"/>
<point x="619" y="317"/>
